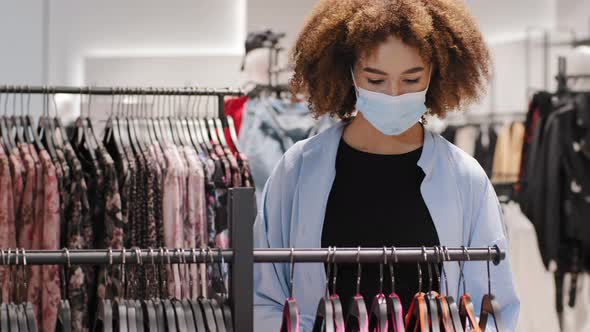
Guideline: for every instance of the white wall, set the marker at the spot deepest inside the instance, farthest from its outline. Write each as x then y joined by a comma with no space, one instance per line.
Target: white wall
140,28
21,54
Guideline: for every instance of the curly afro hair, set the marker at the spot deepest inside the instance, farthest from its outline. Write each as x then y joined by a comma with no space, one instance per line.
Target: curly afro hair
336,31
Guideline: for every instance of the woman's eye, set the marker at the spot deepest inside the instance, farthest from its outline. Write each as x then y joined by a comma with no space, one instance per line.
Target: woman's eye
412,81
375,81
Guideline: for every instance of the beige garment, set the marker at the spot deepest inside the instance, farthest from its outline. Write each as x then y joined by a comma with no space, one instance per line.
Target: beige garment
506,166
533,283
465,139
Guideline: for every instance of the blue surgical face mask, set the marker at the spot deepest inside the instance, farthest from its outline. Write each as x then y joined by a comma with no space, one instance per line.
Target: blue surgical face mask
391,115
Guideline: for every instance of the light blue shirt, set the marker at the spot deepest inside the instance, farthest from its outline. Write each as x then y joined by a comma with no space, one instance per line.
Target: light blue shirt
456,190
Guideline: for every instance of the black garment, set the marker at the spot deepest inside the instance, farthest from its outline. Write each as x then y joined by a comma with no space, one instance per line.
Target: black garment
375,201
561,199
484,153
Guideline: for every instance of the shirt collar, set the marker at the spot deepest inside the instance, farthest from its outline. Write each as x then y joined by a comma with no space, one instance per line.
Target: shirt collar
334,134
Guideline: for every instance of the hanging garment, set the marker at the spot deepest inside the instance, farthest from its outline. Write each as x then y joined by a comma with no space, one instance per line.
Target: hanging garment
50,240
25,232
7,218
485,146
539,109
465,139
507,154
270,126
292,215
563,189
172,210
35,276
194,202
533,283
234,107
79,235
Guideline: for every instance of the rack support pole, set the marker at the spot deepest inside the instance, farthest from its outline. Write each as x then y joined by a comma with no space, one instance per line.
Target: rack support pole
242,212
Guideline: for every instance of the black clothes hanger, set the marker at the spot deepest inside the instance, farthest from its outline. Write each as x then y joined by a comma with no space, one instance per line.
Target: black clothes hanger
27,307
3,306
131,315
195,306
395,314
206,305
120,320
177,305
19,308
489,305
104,316
5,126
111,137
227,313
188,124
150,322
82,143
138,303
64,313
156,303
430,298
378,320
29,131
196,128
215,305
169,313
357,318
17,120
290,321
453,307
466,308
324,317
339,322
12,313
417,316
446,324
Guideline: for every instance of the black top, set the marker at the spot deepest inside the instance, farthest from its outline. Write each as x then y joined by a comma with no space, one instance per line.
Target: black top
375,201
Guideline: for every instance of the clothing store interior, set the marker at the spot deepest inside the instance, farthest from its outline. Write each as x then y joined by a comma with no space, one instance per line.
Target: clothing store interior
171,166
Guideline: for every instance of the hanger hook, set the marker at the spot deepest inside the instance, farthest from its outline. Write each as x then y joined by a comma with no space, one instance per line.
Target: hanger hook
124,271
292,273
181,271
436,264
335,269
25,277
358,270
328,272
391,269
444,250
428,268
420,275
489,274
461,266
381,270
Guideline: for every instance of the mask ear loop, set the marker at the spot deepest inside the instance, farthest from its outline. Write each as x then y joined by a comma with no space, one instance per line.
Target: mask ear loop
356,91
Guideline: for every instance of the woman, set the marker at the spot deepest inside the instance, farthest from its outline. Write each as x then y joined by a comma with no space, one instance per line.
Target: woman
379,178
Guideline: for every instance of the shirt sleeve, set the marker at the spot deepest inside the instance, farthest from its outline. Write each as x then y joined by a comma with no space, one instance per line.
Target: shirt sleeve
488,230
270,289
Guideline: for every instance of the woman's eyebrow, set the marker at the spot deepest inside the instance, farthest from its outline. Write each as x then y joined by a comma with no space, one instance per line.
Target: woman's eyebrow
414,70
374,71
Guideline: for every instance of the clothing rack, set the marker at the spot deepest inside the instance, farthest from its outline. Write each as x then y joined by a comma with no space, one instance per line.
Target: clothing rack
275,255
186,91
111,91
242,256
